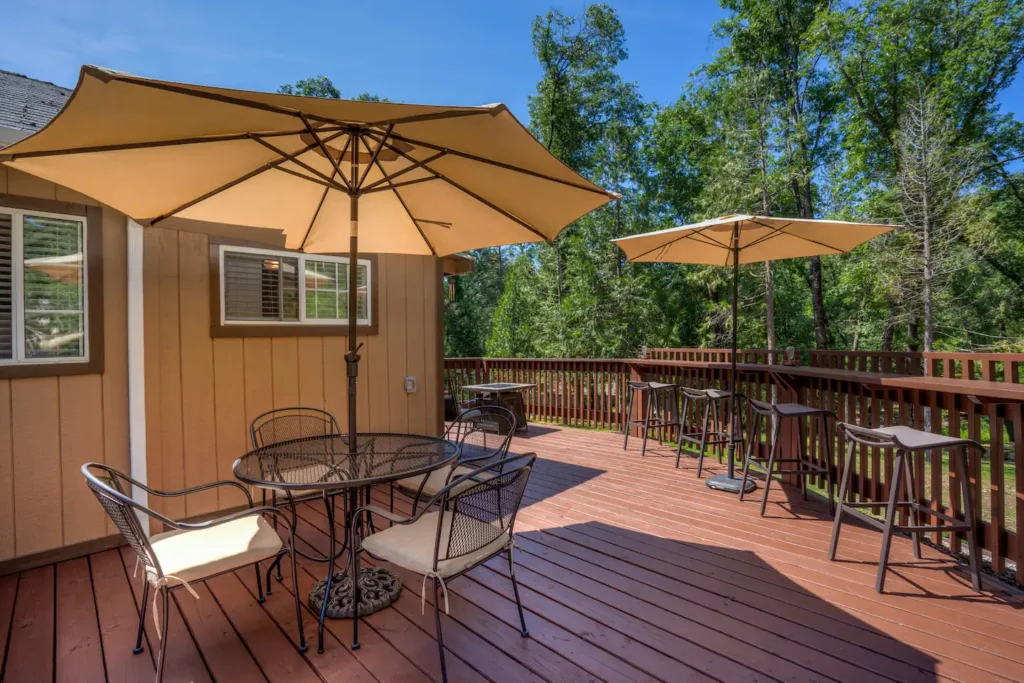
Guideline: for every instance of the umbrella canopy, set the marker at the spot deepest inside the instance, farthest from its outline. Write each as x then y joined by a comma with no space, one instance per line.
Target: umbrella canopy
738,239
427,179
760,238
408,179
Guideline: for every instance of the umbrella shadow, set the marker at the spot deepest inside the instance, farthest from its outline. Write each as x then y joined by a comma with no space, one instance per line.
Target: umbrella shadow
716,599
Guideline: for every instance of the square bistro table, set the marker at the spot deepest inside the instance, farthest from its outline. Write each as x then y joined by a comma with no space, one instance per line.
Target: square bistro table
505,394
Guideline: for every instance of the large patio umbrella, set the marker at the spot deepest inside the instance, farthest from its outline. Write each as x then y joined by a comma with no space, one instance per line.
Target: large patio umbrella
738,239
334,176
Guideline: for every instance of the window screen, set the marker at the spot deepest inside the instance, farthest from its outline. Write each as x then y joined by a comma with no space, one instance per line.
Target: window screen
6,287
54,287
327,290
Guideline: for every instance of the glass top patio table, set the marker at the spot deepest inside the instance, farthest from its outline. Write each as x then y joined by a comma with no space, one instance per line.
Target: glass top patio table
324,462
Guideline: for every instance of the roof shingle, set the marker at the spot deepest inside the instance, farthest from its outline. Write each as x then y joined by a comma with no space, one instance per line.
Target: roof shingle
27,104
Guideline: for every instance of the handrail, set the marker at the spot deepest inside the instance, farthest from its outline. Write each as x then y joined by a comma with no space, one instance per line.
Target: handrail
592,393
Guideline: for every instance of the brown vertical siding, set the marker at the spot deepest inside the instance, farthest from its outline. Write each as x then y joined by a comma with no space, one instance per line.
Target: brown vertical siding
49,426
208,390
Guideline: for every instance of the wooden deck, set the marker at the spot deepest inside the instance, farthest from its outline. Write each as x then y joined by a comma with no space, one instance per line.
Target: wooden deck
631,571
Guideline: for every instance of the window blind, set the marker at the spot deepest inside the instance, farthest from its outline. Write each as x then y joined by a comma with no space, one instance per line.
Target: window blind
260,287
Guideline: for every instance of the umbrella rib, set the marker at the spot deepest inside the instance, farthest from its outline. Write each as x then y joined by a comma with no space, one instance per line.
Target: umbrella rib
144,145
415,181
303,164
217,97
376,183
774,233
316,214
227,186
373,159
323,148
800,237
475,196
303,176
499,164
688,236
401,201
436,116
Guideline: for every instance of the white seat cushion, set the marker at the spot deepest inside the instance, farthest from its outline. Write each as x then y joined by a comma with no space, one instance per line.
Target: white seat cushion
411,546
438,479
194,554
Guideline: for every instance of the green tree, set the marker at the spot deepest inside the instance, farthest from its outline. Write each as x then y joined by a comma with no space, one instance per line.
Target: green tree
514,333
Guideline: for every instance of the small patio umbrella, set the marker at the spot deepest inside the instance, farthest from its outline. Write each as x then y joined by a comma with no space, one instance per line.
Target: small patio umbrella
737,239
403,178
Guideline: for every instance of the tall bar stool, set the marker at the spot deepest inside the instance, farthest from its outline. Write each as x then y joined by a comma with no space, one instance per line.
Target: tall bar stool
804,466
707,436
907,442
658,406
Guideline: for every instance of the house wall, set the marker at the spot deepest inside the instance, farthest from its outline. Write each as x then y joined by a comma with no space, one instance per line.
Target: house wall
50,426
202,392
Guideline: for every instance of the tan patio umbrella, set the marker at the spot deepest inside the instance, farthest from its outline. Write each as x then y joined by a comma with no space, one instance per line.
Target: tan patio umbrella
333,175
733,240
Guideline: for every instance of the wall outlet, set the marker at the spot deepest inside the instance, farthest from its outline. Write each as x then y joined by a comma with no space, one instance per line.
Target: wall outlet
410,385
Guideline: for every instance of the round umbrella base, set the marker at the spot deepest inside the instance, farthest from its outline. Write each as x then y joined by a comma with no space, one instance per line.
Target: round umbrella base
723,482
378,588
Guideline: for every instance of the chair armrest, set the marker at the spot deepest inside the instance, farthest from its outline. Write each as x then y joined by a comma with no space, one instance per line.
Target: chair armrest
390,516
201,487
262,510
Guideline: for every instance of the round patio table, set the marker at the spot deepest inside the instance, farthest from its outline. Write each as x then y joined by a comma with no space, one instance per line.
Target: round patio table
325,463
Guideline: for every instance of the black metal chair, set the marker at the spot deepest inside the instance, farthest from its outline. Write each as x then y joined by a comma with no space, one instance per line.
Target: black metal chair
803,466
708,435
190,552
484,434
906,441
285,424
474,521
659,410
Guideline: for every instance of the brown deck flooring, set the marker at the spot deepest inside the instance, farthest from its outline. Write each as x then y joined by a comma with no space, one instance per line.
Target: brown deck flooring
630,571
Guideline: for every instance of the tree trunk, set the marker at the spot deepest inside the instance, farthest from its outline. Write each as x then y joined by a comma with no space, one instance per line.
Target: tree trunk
890,326
818,304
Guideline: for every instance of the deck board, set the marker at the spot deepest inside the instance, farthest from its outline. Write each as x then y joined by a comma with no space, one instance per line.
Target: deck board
630,570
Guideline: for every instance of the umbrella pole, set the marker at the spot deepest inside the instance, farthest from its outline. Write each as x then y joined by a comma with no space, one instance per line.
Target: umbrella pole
352,357
729,482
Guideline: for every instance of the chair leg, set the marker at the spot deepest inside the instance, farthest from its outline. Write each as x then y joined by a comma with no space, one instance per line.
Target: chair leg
440,636
890,518
718,426
142,617
647,425
771,464
515,589
965,485
801,452
356,597
629,418
826,448
165,612
303,646
915,514
748,457
270,568
703,438
840,501
260,598
682,428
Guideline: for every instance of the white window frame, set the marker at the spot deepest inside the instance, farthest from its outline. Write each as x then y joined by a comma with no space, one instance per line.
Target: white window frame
18,288
302,258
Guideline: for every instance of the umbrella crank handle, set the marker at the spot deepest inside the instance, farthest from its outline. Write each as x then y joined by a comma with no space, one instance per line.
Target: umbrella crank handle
351,360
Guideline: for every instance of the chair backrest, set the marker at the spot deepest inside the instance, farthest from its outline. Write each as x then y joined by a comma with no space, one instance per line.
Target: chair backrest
285,424
483,433
111,489
453,384
483,512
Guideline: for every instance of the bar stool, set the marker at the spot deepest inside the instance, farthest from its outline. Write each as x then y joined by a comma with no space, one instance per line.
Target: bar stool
907,441
710,398
658,405
804,467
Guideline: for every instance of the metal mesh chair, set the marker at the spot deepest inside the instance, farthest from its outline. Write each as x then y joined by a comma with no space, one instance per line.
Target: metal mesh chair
286,424
473,522
484,434
189,552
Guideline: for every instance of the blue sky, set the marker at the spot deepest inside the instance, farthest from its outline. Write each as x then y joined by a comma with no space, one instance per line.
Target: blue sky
427,51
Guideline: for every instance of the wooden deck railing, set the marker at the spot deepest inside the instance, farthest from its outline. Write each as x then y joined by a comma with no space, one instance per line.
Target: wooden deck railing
592,393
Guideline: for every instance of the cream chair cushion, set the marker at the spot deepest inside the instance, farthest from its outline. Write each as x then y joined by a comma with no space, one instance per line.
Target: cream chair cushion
411,546
438,479
194,554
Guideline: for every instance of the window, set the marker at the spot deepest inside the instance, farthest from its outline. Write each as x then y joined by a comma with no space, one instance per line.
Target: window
43,288
262,287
